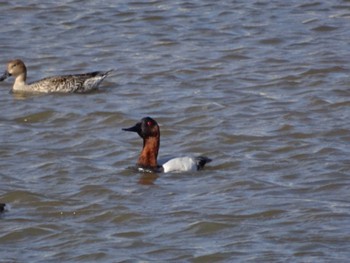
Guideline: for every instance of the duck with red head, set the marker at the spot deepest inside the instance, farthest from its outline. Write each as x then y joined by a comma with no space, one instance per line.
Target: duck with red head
148,129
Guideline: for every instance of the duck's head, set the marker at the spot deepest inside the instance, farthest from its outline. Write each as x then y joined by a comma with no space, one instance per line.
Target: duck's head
145,128
14,68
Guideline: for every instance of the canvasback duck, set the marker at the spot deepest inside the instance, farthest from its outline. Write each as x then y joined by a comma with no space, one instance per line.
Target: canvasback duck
78,83
148,130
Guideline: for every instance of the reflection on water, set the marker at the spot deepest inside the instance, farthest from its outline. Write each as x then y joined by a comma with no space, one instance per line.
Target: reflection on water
148,178
259,87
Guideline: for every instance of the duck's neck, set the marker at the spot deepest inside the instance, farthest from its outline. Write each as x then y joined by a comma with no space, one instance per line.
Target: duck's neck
20,82
149,153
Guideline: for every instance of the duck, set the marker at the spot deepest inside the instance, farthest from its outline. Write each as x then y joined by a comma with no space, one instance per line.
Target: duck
148,129
78,83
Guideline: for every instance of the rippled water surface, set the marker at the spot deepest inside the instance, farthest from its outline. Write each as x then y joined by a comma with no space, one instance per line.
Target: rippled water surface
261,87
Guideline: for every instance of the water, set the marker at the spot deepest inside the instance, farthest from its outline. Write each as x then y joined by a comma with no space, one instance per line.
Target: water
261,87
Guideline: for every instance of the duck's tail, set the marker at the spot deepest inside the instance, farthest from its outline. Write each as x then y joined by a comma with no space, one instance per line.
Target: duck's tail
106,73
201,161
98,74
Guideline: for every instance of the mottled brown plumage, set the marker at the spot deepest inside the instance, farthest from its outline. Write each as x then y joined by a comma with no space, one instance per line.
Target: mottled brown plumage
78,83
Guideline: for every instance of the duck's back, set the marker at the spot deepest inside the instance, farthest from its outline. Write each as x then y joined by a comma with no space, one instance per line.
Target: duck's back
184,164
69,83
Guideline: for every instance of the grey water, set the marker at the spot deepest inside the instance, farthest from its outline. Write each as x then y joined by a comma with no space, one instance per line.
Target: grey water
260,87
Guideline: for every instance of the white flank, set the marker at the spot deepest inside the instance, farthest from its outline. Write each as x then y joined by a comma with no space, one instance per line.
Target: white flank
180,164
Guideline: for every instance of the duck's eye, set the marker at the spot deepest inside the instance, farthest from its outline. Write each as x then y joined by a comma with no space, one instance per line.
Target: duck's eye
149,123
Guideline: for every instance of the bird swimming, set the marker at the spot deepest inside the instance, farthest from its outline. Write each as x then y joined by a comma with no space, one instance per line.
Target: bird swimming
77,83
148,129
